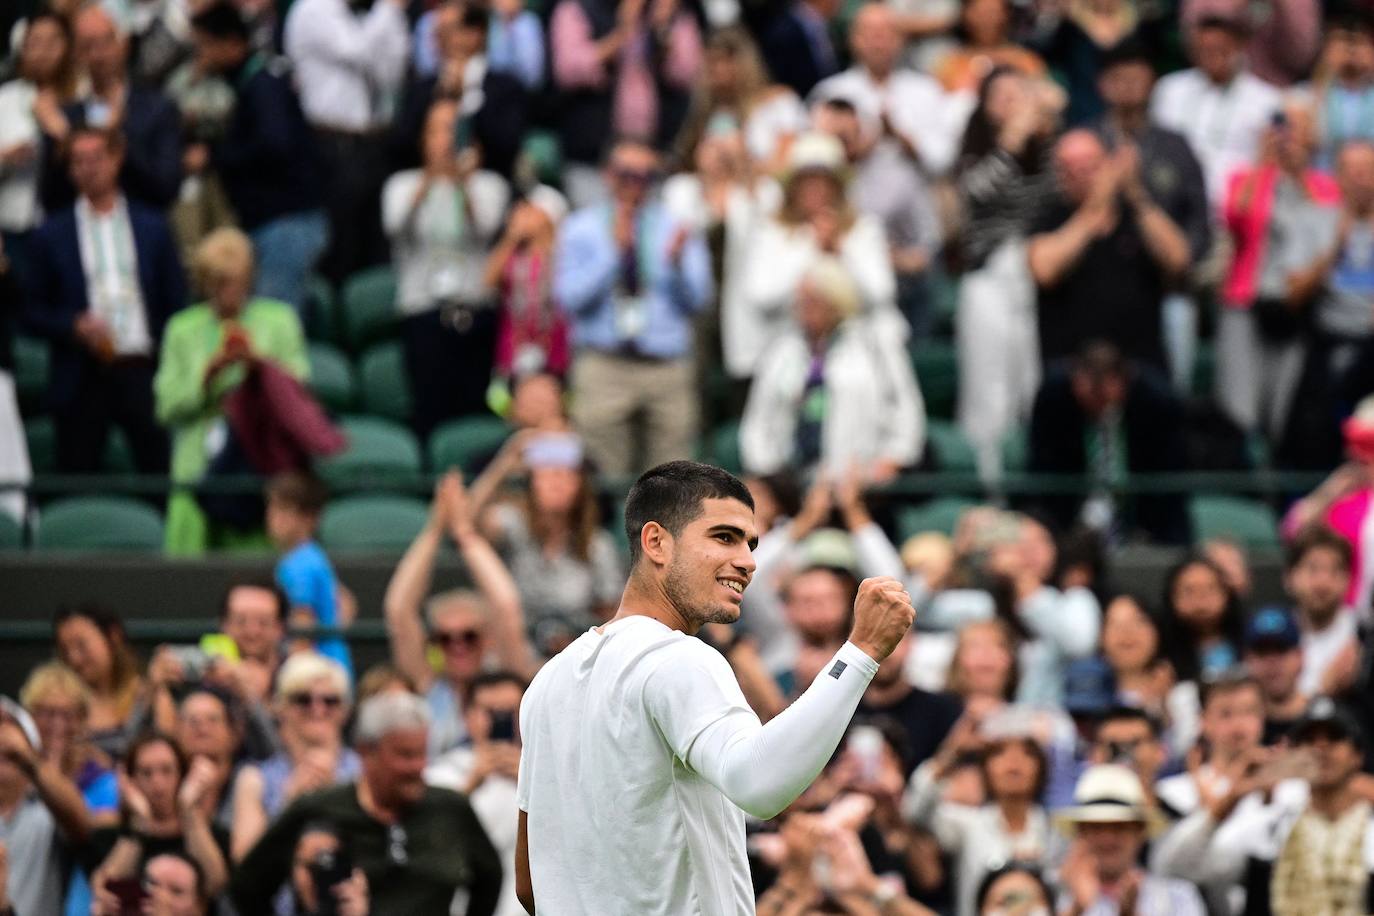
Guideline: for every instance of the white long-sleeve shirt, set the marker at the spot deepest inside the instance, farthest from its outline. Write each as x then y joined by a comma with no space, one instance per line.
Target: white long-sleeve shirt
349,68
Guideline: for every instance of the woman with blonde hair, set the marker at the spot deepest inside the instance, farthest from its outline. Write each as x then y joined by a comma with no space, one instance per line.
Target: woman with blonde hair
207,351
312,704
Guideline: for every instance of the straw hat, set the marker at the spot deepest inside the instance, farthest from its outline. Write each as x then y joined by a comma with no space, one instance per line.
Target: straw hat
1109,793
816,151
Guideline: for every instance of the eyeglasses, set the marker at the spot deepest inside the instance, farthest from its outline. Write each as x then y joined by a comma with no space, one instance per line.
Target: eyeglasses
447,638
306,700
396,845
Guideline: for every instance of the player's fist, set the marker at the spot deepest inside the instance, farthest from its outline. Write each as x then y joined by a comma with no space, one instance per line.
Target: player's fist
882,615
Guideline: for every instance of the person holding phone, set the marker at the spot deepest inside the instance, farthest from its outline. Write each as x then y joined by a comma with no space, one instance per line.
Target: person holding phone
486,770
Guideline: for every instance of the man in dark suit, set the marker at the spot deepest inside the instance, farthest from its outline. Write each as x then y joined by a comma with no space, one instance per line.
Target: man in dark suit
492,105
797,46
1104,418
103,279
146,119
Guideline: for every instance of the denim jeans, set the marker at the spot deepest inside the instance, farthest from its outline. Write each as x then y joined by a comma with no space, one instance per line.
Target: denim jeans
287,249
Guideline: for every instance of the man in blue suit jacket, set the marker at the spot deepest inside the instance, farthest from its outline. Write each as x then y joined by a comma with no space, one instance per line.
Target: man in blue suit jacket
797,46
103,279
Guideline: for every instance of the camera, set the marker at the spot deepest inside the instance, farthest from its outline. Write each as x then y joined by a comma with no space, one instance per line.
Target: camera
328,868
194,661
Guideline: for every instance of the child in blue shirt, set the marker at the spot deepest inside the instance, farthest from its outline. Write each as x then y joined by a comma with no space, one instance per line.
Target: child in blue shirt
294,503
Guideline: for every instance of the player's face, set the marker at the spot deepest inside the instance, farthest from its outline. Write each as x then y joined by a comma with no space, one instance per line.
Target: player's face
712,563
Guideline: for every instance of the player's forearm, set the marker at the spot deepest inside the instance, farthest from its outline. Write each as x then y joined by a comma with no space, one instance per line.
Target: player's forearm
763,768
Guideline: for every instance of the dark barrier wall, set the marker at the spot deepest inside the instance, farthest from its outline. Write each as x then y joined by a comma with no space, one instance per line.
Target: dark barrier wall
34,586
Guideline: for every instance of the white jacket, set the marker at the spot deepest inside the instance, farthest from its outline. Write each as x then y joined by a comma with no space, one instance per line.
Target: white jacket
874,410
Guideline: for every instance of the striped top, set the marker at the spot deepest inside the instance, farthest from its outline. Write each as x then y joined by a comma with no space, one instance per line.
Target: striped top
1000,201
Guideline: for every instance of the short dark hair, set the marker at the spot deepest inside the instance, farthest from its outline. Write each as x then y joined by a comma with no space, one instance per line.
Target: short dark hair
298,490
1130,50
113,139
496,679
200,886
221,20
1030,746
840,105
146,740
1225,683
1318,537
1099,359
1131,714
672,493
1030,869
263,583
1231,25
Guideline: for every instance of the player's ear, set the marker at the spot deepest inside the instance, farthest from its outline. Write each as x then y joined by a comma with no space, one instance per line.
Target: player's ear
656,542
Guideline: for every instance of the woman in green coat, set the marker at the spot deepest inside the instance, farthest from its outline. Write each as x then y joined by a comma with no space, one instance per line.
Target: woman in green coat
206,352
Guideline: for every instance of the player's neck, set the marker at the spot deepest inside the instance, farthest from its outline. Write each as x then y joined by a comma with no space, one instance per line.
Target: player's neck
646,598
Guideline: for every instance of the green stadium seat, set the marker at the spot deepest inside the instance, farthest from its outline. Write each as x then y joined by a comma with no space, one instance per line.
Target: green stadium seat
937,370
466,443
11,534
940,514
951,450
98,523
30,371
1016,449
372,522
383,384
369,306
725,447
376,447
41,436
322,310
331,377
1249,522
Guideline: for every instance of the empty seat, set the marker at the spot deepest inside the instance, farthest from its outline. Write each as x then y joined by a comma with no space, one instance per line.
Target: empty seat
99,523
331,377
377,449
369,306
1249,522
383,385
466,443
940,515
372,522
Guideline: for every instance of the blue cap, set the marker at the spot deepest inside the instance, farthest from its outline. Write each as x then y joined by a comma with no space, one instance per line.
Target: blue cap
1272,627
1089,687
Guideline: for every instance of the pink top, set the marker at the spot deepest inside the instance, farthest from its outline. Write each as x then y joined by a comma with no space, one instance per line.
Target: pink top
575,66
1347,517
529,319
1249,227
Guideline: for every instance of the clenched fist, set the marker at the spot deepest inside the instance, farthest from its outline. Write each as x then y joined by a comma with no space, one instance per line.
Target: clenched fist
882,615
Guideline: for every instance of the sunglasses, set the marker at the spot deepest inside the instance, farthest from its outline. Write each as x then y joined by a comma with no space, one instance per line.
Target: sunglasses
447,638
634,176
306,700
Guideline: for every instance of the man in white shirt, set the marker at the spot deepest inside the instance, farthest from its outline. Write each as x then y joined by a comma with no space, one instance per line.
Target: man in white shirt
895,103
349,71
1317,579
639,748
1221,107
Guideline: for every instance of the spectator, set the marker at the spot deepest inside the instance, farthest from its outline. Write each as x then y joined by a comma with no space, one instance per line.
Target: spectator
1103,235
441,220
164,796
1109,823
320,850
174,886
1269,849
92,642
103,281
550,536
1003,179
817,218
1343,84
734,90
491,103
887,184
925,717
532,333
294,503
1009,826
983,672
1222,108
14,455
145,120
349,68
414,843
515,44
159,36
464,626
1317,579
1143,678
209,730
486,771
893,102
1171,177
619,71
1107,417
312,703
836,394
1017,884
253,613
630,280
60,705
266,156
43,816
1080,39
1269,210
1273,657
208,350
984,30
1134,739
1280,42
797,46
44,69
1203,618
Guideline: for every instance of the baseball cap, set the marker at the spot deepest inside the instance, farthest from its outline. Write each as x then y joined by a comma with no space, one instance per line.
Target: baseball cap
1325,715
1272,627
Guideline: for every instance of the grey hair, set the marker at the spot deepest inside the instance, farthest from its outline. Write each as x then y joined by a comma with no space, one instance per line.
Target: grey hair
455,599
385,713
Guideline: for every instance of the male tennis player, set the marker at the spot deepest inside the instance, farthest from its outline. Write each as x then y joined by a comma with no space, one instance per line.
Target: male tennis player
639,748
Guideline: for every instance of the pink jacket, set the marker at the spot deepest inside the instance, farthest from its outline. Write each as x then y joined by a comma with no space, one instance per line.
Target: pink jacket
1249,226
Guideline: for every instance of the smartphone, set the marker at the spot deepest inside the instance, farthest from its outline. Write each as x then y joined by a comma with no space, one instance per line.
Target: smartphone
130,894
502,726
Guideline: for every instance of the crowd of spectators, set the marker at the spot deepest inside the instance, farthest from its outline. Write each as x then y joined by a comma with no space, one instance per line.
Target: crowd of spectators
626,228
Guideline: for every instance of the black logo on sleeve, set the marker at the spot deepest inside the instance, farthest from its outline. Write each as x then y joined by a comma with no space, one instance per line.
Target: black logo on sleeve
838,669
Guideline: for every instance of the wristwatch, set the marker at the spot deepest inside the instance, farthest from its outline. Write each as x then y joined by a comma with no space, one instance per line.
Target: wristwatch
883,895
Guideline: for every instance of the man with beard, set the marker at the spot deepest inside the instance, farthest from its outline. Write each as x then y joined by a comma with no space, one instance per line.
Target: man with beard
639,748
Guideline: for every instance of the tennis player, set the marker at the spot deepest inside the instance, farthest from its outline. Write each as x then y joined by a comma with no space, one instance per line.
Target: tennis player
641,756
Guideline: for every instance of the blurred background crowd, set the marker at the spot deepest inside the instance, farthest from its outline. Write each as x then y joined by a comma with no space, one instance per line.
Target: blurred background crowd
982,294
